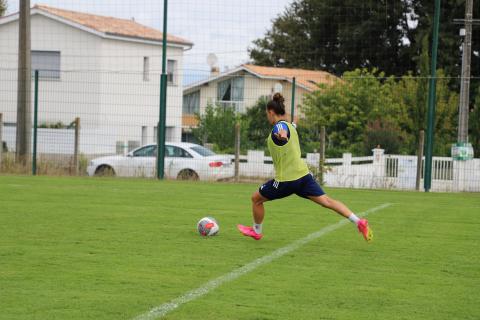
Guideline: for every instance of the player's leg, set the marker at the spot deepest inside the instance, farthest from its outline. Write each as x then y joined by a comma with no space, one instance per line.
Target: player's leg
337,206
258,210
332,204
271,190
310,189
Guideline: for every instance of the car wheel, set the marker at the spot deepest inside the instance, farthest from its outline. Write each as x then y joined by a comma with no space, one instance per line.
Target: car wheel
187,174
105,171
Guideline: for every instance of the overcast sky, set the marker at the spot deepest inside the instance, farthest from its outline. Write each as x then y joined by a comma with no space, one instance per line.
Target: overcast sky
223,27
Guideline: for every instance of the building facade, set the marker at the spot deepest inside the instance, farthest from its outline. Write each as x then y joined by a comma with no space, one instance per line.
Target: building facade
104,70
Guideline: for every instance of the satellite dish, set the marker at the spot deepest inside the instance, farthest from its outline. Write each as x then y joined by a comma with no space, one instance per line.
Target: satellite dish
212,60
278,87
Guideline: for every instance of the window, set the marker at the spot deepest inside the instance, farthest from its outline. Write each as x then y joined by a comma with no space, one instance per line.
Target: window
172,151
171,68
230,89
144,135
191,103
203,151
148,151
230,93
179,152
146,69
47,63
170,134
188,137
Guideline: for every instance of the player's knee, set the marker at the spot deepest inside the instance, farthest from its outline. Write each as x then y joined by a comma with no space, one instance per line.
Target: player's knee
256,198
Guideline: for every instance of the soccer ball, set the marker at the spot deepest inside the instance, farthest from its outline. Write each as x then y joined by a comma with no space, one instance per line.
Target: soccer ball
207,227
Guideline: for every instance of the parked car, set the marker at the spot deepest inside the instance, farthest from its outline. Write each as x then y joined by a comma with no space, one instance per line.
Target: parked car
185,161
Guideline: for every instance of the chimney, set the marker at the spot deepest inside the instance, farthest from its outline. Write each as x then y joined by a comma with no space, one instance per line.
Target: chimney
214,71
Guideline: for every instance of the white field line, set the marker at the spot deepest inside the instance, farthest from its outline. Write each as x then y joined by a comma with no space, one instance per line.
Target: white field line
165,308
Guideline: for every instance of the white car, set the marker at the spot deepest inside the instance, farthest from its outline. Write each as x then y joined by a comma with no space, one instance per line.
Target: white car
185,161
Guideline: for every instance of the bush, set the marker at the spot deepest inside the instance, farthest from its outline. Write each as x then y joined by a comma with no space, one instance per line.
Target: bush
384,134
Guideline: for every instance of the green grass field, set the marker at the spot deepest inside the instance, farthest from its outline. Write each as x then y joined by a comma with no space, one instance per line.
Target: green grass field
78,248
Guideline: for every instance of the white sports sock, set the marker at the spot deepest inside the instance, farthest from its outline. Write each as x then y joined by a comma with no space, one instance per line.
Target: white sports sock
354,218
257,227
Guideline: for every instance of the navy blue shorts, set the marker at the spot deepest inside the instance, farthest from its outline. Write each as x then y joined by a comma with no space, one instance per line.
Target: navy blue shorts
304,187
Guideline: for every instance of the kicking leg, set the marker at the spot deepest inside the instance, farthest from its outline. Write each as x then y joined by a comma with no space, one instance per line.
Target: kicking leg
337,206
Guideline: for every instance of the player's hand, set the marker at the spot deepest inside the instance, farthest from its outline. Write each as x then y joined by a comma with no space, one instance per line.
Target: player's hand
282,135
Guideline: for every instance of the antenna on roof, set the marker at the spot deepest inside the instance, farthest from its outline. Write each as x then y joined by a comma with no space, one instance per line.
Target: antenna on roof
212,61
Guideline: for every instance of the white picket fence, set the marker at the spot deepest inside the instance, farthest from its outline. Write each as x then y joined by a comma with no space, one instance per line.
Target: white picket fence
379,171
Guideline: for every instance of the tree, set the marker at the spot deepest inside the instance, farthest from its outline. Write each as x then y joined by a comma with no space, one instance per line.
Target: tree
386,134
365,102
449,45
411,92
217,126
255,126
338,36
344,35
346,108
3,7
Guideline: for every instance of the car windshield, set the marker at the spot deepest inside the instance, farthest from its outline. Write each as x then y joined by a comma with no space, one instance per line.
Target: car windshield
204,152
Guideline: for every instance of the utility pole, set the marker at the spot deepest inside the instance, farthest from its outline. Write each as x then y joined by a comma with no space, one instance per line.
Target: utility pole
463,108
465,80
24,105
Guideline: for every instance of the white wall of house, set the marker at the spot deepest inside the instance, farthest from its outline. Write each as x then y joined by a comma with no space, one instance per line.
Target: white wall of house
102,82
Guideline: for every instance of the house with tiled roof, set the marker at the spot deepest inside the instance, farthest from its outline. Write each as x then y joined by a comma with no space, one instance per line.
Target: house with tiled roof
105,70
240,88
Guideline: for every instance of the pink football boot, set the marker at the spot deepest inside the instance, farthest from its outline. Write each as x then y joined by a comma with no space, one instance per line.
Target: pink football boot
249,232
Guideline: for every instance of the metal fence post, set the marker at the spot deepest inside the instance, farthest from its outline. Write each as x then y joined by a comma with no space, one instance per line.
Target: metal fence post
427,181
77,144
163,99
237,152
294,85
421,142
35,126
322,153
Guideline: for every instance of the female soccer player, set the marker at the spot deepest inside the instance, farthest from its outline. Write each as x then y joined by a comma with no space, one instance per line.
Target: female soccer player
291,175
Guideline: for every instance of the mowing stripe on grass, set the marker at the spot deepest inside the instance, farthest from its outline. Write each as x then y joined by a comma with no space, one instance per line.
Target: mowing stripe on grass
165,308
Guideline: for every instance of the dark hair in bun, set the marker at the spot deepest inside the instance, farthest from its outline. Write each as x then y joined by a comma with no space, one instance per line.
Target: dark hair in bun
276,104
